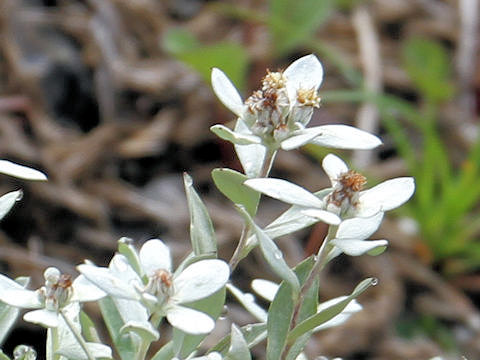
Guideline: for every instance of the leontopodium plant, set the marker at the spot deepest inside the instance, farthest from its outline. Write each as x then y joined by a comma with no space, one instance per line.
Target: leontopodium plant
140,294
161,292
276,115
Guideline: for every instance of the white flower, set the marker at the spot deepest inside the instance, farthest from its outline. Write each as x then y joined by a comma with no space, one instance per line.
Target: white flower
348,199
276,114
57,293
160,291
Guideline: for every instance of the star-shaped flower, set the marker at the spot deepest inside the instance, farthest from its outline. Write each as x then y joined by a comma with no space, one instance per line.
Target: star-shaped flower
277,113
159,290
58,292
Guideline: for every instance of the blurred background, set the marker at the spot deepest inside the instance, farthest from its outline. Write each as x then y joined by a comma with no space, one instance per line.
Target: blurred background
111,99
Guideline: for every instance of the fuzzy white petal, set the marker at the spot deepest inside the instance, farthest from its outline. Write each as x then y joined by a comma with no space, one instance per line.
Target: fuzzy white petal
251,156
84,290
22,298
189,320
358,247
155,255
389,194
346,137
265,288
43,317
226,92
326,216
300,138
105,280
285,191
8,200
8,284
304,73
20,171
334,167
200,280
359,228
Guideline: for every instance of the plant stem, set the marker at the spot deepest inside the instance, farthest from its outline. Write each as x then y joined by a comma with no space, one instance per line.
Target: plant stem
242,242
77,336
237,255
320,262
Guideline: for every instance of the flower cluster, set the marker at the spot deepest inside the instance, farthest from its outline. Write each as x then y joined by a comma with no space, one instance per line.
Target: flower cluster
155,292
140,289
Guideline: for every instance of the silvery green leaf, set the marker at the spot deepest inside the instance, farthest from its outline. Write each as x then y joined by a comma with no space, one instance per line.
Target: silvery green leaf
230,183
272,253
8,200
143,329
285,191
354,247
252,333
251,157
225,133
300,138
165,353
202,234
238,349
125,345
329,312
8,316
345,137
126,248
3,356
265,288
213,306
248,302
280,315
20,171
352,308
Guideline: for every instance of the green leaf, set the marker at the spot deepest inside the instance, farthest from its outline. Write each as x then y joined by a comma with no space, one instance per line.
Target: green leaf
292,22
272,253
428,65
3,356
125,345
279,318
252,333
126,248
238,349
202,234
88,328
165,353
232,58
230,183
329,312
213,306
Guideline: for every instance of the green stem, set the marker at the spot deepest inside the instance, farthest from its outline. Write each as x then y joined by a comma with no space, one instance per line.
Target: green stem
77,336
320,262
268,162
237,255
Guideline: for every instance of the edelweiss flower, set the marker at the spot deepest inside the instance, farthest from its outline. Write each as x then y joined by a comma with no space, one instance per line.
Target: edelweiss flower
157,289
58,292
276,115
347,198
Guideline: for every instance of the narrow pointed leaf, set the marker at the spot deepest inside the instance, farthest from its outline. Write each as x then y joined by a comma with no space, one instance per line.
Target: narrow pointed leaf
329,312
202,234
238,346
272,253
225,133
252,333
230,183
